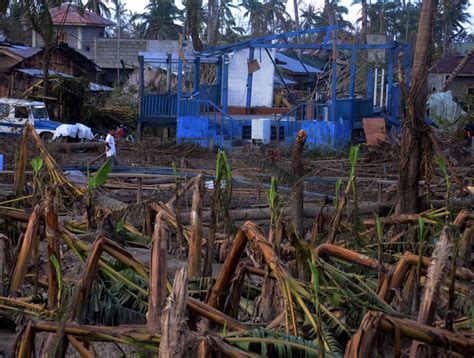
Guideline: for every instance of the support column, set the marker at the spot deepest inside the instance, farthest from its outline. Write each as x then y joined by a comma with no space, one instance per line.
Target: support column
219,81
390,81
352,82
370,83
169,70
197,74
353,72
141,92
180,87
249,81
333,90
225,83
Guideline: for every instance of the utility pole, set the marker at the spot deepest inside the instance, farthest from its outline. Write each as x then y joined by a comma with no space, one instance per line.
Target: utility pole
118,40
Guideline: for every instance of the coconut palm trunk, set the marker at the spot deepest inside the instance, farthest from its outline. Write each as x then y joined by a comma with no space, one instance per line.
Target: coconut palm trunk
297,18
364,14
213,22
415,142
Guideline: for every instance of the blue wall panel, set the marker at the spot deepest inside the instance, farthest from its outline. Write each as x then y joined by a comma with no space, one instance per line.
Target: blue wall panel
192,128
322,134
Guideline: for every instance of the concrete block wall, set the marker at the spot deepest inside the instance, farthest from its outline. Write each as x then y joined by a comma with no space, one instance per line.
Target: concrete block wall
107,55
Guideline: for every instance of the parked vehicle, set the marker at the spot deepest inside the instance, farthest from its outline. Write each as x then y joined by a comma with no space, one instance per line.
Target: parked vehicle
15,113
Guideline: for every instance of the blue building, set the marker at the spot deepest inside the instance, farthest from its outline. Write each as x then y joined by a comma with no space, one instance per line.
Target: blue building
221,113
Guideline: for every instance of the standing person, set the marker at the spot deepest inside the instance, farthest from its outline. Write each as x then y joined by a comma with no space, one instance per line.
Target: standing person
110,151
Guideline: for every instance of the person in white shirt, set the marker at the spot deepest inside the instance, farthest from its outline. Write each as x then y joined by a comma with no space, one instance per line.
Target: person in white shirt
110,151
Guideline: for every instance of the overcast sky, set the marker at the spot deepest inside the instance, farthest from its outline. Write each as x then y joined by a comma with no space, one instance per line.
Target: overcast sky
139,6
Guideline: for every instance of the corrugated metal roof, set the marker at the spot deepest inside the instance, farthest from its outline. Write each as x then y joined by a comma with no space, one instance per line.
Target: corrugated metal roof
22,51
95,87
448,64
294,65
34,72
69,14
278,82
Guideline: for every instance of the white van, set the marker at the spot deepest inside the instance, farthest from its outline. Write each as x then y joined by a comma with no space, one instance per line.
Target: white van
15,113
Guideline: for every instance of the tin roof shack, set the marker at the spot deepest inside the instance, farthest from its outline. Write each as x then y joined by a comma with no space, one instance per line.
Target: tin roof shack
462,85
75,26
20,67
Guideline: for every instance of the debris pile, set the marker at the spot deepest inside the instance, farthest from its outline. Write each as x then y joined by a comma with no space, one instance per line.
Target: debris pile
235,262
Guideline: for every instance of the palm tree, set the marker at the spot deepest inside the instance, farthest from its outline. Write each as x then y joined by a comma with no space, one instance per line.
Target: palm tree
265,17
212,21
136,27
195,18
453,16
99,7
415,142
310,17
363,18
382,15
227,24
252,11
13,24
297,18
120,16
319,17
275,15
160,20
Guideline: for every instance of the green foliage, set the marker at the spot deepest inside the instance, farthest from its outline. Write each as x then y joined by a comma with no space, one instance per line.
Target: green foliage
353,156
100,177
338,192
272,198
268,343
223,189
57,269
112,302
280,174
37,164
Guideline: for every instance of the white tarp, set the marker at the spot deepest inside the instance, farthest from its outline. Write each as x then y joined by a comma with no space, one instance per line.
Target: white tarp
77,130
443,109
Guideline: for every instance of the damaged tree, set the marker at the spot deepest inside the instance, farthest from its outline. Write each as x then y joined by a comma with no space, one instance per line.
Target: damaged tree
415,153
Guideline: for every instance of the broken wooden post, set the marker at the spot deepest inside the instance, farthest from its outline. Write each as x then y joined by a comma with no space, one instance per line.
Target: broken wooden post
174,328
52,233
157,289
195,240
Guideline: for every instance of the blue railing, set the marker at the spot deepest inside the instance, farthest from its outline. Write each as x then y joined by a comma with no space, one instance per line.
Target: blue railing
154,106
303,112
207,109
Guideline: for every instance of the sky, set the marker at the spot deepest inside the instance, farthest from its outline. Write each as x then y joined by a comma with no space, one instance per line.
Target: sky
139,7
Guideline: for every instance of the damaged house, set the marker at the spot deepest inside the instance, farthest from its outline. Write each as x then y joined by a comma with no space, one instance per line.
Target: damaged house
21,67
